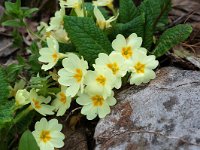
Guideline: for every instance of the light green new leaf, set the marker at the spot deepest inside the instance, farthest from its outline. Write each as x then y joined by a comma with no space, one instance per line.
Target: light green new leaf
29,12
127,11
13,9
87,37
13,23
27,142
172,37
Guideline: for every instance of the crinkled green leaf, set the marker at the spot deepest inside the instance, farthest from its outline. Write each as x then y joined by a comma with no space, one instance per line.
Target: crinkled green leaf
12,71
28,142
172,37
87,37
134,26
4,90
153,10
127,11
6,113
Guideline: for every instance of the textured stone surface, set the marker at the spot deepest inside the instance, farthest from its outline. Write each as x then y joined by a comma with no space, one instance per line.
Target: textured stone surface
163,115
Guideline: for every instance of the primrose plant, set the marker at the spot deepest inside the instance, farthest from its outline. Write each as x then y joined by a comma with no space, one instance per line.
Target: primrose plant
88,54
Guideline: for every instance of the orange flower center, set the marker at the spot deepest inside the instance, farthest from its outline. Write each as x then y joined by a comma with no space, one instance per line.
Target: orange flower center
127,52
139,67
45,136
97,100
63,97
55,56
37,104
78,75
114,67
101,80
48,34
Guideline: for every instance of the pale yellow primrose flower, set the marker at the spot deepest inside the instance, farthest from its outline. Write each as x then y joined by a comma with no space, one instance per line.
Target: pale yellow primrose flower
115,63
62,102
108,3
73,74
57,22
22,97
60,35
101,80
39,103
71,3
101,21
50,54
18,86
42,28
95,104
48,134
128,47
142,67
76,4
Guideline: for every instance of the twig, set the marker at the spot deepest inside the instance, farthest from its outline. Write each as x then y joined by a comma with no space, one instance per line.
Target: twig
8,45
72,113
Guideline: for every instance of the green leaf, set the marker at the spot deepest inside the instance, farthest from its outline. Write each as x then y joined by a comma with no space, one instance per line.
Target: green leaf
4,90
172,37
127,11
13,71
13,23
134,26
87,37
28,142
28,12
63,48
153,11
6,114
13,9
33,59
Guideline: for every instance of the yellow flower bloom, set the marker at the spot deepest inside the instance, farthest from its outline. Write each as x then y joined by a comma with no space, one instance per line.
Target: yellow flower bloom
95,104
142,67
39,103
115,63
48,134
101,80
128,47
22,97
108,3
76,4
101,21
50,54
71,3
57,22
60,35
73,73
62,102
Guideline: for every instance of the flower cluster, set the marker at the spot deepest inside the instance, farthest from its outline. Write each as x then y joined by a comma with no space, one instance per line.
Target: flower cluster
90,85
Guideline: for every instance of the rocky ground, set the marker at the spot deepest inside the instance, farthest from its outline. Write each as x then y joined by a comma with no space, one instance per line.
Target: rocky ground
163,115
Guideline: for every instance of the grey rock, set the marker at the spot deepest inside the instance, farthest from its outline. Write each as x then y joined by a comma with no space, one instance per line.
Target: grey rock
163,115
